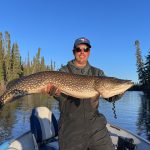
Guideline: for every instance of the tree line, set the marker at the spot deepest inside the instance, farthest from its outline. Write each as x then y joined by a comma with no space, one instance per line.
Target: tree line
143,69
11,64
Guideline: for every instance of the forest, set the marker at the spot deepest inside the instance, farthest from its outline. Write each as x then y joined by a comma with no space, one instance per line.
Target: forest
12,66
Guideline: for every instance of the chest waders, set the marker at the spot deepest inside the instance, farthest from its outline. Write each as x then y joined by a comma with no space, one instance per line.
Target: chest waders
81,126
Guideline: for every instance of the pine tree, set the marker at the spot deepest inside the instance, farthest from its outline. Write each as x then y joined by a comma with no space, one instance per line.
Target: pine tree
28,66
52,66
140,64
36,62
7,57
1,60
43,67
15,62
147,72
22,69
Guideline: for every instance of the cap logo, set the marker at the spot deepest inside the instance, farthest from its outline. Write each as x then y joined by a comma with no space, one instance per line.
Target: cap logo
83,40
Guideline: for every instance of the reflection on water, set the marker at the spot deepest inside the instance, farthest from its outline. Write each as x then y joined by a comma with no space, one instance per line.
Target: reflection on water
133,113
14,118
143,123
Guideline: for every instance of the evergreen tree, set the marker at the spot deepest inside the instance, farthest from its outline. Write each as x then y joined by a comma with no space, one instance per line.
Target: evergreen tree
43,67
1,60
147,72
22,69
15,62
140,64
36,62
28,66
52,65
33,67
7,57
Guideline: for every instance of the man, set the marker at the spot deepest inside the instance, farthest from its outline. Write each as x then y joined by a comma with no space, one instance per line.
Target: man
81,126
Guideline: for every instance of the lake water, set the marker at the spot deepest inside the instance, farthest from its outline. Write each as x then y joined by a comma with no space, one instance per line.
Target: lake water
133,114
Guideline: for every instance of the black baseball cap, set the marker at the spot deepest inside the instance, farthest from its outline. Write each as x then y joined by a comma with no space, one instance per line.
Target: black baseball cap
82,40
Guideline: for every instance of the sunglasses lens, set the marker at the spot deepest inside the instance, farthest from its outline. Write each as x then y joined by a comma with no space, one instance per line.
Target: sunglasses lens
84,49
78,49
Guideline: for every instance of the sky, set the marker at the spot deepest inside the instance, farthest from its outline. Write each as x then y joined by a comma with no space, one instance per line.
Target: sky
112,26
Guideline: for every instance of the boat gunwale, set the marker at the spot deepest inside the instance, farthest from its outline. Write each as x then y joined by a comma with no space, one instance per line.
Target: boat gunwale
130,132
108,125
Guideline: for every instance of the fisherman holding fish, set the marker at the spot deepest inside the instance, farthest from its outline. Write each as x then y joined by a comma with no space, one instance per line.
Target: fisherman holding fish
81,126
77,87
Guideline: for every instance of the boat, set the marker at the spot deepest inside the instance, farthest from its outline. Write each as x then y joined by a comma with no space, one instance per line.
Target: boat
121,138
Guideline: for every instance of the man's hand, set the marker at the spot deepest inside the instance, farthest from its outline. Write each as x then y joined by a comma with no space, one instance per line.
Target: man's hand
51,90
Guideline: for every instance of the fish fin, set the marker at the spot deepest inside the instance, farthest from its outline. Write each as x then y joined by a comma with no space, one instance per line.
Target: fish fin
96,96
95,101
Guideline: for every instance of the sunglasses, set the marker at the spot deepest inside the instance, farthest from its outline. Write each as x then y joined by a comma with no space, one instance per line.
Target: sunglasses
84,49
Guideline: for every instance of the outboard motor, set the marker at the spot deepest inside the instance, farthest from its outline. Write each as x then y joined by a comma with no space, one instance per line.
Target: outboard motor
44,127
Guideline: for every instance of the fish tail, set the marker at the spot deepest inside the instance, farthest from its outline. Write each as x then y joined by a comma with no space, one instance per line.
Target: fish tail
5,97
9,95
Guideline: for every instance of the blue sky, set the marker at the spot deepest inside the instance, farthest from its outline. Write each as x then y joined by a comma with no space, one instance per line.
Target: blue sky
112,26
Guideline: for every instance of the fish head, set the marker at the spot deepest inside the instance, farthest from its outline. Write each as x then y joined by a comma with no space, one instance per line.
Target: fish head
110,86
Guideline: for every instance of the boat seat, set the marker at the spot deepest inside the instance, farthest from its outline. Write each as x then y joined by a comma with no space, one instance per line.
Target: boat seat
44,128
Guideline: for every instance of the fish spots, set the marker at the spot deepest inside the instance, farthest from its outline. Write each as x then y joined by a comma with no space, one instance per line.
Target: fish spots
79,86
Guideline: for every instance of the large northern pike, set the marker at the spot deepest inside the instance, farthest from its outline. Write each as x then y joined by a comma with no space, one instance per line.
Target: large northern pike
78,86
